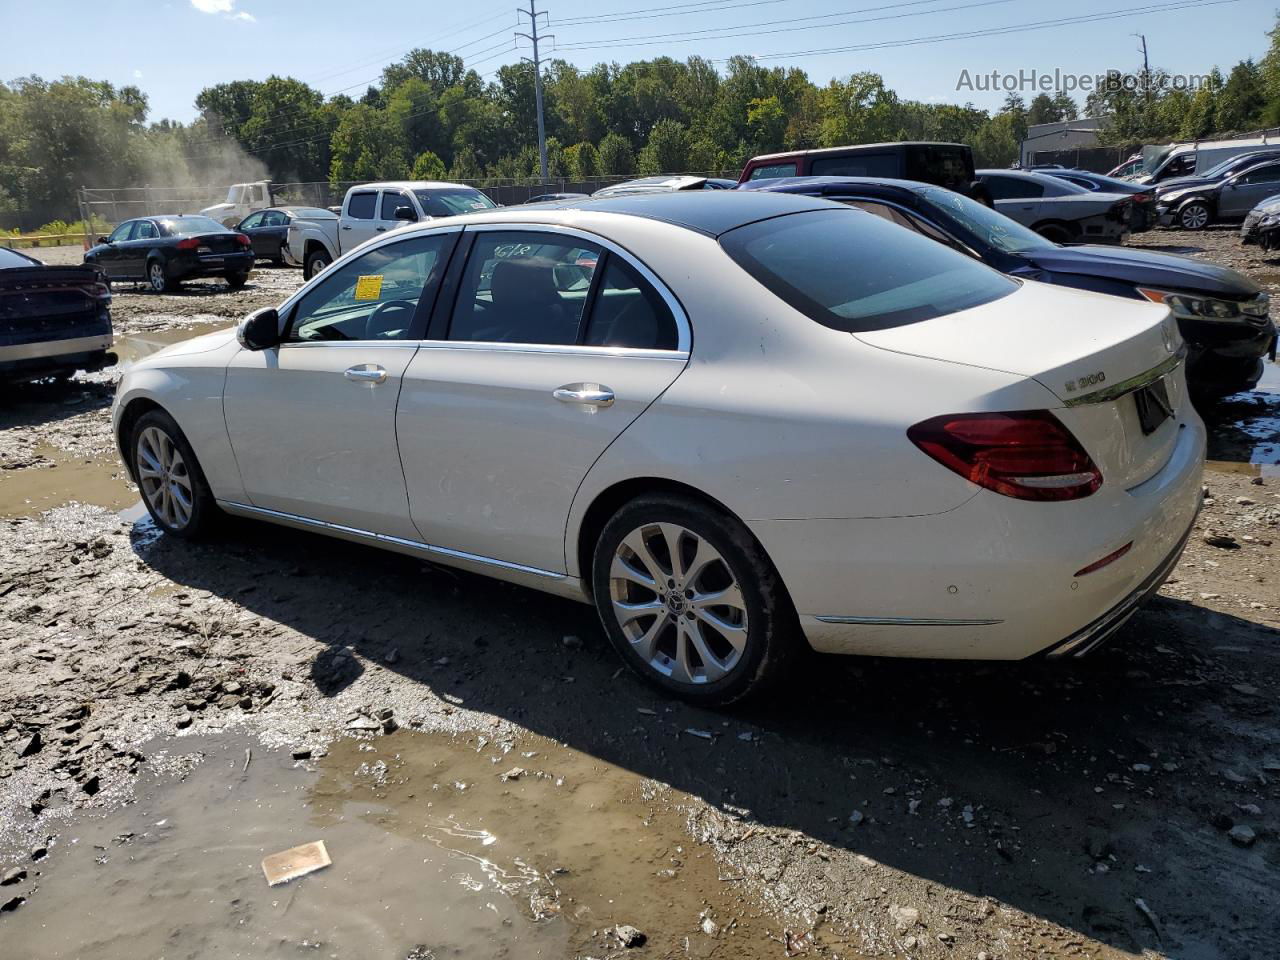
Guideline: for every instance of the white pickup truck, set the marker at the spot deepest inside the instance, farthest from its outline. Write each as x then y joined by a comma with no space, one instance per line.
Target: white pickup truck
371,209
242,200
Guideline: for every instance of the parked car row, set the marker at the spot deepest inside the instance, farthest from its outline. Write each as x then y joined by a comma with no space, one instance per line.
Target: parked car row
739,422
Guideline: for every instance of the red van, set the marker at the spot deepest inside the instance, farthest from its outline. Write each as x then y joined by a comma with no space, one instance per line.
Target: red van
947,165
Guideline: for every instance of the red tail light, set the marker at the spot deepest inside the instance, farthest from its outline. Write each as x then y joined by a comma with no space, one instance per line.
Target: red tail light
1144,197
243,240
1028,455
188,243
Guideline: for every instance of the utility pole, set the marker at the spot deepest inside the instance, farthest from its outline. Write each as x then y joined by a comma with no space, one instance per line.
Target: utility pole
1146,70
533,37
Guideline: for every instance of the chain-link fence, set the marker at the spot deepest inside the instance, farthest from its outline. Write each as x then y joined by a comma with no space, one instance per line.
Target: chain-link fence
115,204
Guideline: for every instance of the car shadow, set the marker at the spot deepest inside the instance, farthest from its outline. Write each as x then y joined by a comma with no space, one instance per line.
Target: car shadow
1067,790
50,401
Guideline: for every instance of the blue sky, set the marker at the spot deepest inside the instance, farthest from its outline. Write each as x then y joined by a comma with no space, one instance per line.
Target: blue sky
172,49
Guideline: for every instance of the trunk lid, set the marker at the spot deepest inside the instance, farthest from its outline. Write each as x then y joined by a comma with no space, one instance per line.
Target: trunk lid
1094,353
42,303
216,243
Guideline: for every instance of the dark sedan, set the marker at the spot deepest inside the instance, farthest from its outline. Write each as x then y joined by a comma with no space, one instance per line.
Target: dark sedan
53,320
1144,197
268,230
1223,315
1198,203
165,250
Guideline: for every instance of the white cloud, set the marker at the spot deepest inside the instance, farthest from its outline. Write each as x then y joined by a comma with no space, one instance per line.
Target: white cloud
137,74
227,8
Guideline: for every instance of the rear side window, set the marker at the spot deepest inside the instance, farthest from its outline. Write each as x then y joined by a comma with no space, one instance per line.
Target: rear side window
858,165
146,231
627,312
361,206
773,171
1011,188
855,272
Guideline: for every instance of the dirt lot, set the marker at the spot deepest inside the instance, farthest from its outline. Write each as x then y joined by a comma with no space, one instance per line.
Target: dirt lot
169,714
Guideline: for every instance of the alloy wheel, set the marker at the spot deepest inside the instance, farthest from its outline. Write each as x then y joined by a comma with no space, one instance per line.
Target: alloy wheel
678,603
1195,217
156,274
164,478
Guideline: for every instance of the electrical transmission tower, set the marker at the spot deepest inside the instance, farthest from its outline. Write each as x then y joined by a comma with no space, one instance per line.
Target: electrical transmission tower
533,37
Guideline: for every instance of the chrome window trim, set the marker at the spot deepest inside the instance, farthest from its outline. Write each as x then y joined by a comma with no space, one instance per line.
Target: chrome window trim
684,332
907,622
562,349
376,538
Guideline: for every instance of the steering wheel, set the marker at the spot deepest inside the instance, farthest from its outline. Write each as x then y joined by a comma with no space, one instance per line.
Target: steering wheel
371,324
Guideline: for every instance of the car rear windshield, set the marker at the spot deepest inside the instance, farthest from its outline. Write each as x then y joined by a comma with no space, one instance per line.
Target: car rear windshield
449,203
186,226
852,271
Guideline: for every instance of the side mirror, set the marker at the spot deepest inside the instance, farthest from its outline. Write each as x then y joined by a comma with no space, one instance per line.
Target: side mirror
102,240
260,330
406,214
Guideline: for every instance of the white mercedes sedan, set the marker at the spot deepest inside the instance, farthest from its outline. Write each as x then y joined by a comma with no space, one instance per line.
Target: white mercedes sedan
736,423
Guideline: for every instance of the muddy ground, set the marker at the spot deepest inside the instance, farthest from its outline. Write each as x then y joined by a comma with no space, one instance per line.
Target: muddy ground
490,783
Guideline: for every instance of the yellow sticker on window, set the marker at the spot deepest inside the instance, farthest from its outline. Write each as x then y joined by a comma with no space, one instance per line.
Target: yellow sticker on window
369,288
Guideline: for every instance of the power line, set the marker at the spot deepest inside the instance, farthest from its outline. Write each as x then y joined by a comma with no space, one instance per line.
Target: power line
989,32
675,10
720,34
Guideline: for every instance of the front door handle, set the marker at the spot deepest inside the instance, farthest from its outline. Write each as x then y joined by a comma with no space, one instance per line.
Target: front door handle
366,373
592,394
380,229
346,227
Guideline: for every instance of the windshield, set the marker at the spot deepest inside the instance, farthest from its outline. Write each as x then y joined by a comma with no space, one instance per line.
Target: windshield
449,203
984,223
186,226
1152,157
853,271
11,258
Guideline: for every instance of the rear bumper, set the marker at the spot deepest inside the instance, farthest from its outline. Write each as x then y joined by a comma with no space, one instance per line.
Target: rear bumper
182,268
993,579
288,256
30,361
51,349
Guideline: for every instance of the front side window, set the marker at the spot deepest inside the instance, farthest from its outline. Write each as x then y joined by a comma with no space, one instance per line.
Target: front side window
1262,175
376,295
773,171
251,221
391,202
361,206
524,288
121,233
854,272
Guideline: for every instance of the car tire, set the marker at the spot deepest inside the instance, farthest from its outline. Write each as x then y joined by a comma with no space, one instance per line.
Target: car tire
1054,232
1195,215
157,279
317,260
710,654
174,489
237,280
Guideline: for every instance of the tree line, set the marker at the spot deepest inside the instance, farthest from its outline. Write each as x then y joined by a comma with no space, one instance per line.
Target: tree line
430,117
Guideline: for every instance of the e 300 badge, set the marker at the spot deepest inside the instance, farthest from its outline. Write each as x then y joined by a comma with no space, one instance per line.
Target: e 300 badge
1084,383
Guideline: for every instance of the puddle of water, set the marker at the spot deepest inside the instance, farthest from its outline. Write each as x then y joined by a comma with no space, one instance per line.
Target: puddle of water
431,845
132,347
1246,437
178,873
64,478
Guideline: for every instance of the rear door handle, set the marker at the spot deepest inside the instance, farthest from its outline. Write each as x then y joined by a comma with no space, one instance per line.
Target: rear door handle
366,373
592,394
380,229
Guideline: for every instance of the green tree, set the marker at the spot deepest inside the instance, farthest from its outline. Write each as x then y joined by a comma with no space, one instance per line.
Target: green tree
616,156
582,160
428,166
667,150
368,145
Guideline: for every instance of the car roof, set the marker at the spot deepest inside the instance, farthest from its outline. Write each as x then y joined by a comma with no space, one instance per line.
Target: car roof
710,212
817,186
858,147
411,185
